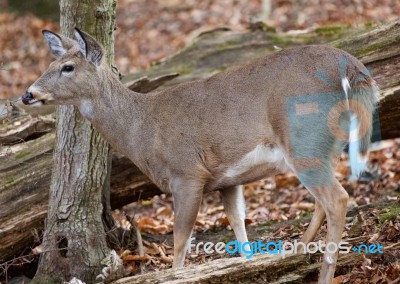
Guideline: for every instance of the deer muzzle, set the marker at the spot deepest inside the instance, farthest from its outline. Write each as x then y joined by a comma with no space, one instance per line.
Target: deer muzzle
27,98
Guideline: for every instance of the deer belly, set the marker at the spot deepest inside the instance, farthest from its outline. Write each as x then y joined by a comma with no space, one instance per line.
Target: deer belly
263,161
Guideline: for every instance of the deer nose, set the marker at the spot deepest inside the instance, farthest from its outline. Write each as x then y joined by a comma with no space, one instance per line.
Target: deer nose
27,97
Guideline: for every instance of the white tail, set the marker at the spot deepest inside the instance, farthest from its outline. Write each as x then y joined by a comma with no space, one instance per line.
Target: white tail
284,111
358,145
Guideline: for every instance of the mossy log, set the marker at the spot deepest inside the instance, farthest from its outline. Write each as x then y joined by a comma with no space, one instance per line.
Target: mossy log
25,168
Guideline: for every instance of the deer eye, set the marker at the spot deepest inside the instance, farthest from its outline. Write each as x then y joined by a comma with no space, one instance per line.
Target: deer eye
67,68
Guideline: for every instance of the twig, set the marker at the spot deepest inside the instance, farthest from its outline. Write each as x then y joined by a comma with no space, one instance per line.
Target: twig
140,247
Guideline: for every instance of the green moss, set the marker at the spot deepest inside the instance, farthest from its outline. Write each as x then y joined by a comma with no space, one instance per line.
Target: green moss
216,229
227,44
367,49
222,68
231,42
306,215
9,180
369,26
184,70
296,223
340,45
391,213
282,41
269,29
190,47
22,154
292,40
270,223
331,31
225,239
266,227
262,26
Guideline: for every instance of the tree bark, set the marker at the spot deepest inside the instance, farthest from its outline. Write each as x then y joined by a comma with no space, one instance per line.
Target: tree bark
74,242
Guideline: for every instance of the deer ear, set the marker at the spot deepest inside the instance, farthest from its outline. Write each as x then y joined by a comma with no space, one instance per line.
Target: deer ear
55,43
89,47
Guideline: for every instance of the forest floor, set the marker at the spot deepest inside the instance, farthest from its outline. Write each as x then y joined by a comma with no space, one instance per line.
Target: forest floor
152,30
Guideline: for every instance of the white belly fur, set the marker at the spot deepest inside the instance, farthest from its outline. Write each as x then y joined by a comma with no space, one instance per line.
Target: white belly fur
261,155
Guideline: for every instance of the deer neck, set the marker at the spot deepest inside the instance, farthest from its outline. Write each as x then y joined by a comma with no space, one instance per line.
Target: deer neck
117,113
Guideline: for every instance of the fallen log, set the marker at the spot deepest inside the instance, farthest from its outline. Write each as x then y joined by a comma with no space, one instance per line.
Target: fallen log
264,268
22,127
25,168
299,268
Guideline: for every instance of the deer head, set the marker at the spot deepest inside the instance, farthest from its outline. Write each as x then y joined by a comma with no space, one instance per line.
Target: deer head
75,75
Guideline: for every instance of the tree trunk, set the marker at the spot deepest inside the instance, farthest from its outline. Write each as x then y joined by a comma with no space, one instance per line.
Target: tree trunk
266,7
74,241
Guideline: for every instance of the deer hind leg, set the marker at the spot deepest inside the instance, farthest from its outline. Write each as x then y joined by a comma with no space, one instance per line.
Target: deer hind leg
235,209
316,223
332,198
187,198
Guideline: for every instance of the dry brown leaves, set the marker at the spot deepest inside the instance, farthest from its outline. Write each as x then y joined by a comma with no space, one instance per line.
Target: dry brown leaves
156,257
23,53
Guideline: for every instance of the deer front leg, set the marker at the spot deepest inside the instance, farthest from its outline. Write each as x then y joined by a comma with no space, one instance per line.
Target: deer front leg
187,198
316,223
235,210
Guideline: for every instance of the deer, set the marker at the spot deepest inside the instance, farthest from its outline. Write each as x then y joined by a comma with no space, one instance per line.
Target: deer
295,109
